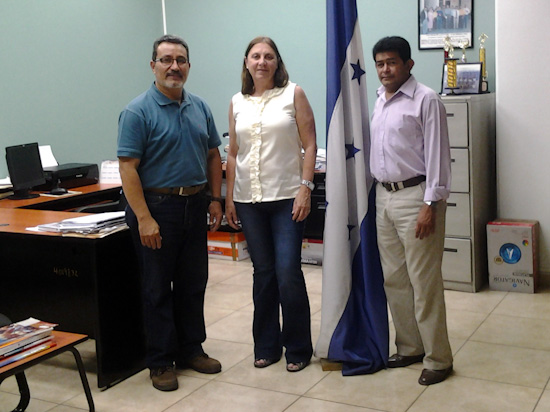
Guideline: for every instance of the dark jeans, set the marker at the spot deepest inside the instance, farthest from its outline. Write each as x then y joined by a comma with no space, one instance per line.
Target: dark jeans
174,278
275,244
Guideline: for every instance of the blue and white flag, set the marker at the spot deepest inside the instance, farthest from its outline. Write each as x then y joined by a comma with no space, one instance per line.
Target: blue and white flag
354,324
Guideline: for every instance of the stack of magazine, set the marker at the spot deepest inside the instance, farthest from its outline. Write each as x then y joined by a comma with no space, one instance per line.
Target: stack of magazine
91,224
22,339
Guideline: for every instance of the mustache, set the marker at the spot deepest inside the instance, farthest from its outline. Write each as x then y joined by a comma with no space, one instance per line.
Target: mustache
175,74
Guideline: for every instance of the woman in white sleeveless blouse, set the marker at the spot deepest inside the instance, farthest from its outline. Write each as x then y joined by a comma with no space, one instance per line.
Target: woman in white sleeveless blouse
269,183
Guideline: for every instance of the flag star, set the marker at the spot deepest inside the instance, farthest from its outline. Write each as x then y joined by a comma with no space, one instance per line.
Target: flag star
350,151
357,71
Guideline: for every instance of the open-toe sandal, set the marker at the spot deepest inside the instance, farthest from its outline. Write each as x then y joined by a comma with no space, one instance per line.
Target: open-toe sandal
296,366
264,363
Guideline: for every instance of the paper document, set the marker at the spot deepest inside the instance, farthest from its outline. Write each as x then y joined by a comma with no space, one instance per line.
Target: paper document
97,218
5,183
46,156
109,172
95,223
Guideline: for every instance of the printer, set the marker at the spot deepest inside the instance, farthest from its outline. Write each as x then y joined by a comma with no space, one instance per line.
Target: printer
69,175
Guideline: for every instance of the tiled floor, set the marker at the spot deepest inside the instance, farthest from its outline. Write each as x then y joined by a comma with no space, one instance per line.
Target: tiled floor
501,343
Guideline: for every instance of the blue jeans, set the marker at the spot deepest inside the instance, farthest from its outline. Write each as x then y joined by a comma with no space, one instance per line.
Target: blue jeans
275,244
174,278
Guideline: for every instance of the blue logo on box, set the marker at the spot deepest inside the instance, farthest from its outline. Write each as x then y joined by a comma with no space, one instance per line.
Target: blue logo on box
510,253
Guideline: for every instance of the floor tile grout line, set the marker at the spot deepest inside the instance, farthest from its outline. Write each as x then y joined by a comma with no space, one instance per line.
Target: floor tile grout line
508,345
417,398
337,403
207,381
495,381
541,395
485,318
218,379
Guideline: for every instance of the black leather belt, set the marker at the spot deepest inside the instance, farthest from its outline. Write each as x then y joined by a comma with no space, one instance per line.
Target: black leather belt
395,186
177,191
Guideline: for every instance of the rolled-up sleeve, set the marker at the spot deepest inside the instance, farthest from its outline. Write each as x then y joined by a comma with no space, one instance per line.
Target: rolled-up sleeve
437,153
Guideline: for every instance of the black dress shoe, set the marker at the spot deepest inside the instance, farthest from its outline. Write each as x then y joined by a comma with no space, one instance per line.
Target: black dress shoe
400,361
431,376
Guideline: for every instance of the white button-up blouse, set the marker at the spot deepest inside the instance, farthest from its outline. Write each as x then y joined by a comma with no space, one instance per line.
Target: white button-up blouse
269,159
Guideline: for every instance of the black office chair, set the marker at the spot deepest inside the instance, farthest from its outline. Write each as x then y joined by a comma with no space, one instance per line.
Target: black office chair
115,206
20,377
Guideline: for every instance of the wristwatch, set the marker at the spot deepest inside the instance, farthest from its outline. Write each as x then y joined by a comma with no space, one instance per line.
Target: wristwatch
309,184
431,203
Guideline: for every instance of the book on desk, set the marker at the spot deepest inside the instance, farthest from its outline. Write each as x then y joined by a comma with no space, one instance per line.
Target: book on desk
22,339
92,224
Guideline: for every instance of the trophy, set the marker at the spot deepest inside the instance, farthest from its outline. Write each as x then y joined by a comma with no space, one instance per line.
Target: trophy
464,44
451,74
482,59
448,49
451,65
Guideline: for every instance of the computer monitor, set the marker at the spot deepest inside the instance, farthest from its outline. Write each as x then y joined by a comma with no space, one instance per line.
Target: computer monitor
25,169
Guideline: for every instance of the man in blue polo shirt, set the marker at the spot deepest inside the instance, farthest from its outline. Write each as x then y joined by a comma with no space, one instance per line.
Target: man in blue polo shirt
168,152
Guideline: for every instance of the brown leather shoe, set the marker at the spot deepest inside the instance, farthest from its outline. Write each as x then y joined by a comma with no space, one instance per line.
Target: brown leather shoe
164,379
400,361
432,376
204,364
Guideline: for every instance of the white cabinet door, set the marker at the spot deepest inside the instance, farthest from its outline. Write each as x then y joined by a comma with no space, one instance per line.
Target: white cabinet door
457,260
457,219
457,122
460,171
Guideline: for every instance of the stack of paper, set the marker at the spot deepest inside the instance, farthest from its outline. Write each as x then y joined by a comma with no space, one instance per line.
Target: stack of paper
96,223
321,160
22,339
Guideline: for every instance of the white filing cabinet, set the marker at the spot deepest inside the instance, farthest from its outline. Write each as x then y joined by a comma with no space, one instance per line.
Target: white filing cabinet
472,203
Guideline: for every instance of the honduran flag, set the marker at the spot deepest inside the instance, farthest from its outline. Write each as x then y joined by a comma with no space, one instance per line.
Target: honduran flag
354,321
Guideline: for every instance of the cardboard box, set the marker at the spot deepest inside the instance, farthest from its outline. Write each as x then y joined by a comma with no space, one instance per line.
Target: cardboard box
312,251
227,245
512,250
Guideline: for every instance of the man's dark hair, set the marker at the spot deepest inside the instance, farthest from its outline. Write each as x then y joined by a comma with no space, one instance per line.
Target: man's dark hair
393,44
169,38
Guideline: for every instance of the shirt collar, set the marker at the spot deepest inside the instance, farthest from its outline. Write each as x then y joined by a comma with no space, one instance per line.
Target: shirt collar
408,88
162,99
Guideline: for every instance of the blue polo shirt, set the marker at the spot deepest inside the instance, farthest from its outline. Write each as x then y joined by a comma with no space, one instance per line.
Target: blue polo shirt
171,140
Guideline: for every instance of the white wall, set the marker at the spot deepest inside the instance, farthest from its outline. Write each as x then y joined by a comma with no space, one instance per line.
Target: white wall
523,114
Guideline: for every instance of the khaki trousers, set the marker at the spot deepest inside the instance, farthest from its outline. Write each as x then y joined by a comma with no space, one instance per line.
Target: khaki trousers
412,275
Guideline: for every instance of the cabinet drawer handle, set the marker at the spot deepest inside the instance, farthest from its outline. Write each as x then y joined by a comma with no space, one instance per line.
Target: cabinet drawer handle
453,160
450,115
447,249
451,204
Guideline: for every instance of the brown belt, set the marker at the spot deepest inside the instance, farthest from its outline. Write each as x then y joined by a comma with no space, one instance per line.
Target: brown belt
395,186
177,191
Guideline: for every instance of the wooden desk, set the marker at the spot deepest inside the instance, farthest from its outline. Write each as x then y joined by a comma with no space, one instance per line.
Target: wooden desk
18,220
65,342
88,286
88,195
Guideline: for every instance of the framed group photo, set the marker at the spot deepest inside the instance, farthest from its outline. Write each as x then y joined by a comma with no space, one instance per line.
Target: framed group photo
468,79
438,19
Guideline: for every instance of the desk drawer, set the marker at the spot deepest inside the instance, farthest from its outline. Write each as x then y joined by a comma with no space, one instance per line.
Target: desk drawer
460,171
457,220
319,180
457,122
457,260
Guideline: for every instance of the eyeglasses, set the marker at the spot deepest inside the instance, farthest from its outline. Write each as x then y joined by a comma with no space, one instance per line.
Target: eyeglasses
168,61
